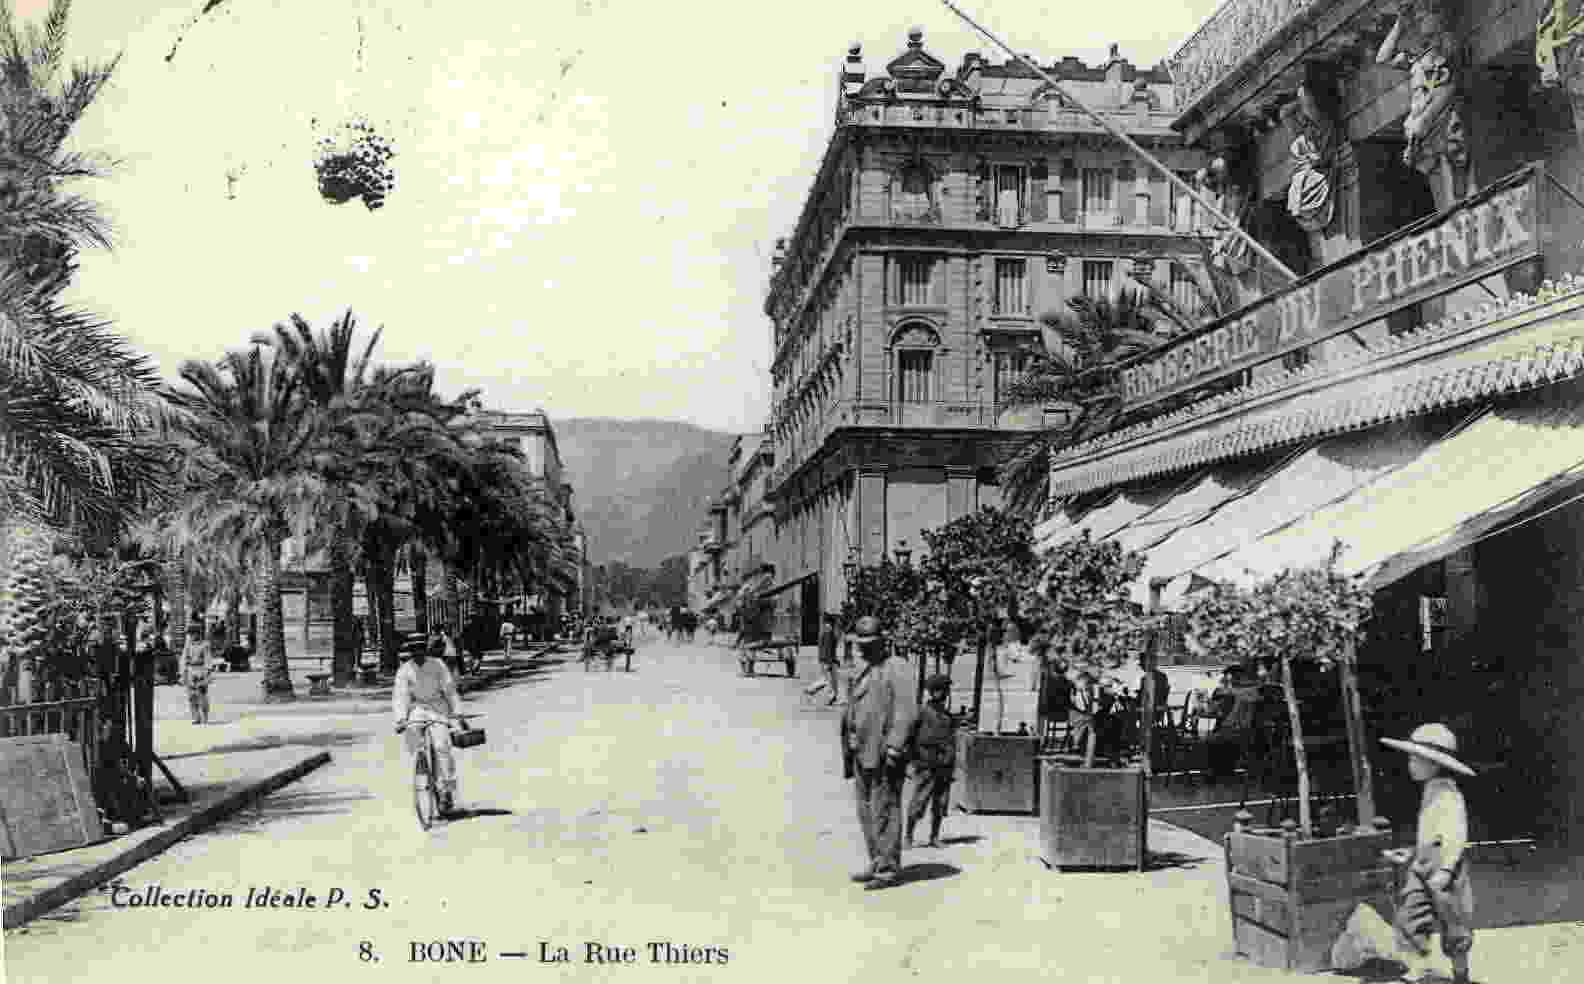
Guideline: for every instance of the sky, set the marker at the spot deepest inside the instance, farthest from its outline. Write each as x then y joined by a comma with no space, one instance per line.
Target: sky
588,191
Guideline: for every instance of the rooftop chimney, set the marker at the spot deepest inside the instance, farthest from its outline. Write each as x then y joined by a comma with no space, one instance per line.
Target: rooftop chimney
853,70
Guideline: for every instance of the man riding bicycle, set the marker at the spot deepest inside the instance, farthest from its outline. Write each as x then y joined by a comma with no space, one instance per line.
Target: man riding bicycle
426,691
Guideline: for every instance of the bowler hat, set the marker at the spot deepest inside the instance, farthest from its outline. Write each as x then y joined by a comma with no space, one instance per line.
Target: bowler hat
1434,742
866,629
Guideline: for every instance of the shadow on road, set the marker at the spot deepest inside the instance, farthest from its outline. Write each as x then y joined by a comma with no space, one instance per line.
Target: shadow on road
484,811
927,872
288,805
1375,970
965,839
1172,859
319,739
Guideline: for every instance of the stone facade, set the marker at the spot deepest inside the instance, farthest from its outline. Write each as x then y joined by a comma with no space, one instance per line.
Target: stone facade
1335,124
951,211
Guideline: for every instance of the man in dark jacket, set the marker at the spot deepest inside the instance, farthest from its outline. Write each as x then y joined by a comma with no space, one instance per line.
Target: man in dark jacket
875,731
934,759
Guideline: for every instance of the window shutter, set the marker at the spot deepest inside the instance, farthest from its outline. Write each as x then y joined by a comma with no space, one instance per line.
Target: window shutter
938,270
1038,176
1069,198
1123,196
986,192
1160,195
893,280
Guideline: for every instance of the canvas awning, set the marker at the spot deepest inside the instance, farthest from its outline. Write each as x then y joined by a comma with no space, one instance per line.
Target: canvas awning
1193,504
1317,476
1104,520
1464,486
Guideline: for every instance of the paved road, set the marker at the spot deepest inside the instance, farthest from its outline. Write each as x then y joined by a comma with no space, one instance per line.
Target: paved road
681,804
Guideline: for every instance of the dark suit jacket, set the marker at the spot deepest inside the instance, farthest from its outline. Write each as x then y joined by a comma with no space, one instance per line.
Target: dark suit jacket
880,712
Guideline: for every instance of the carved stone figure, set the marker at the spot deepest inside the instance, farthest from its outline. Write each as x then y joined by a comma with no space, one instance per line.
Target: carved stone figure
1311,196
1230,251
1421,45
1560,55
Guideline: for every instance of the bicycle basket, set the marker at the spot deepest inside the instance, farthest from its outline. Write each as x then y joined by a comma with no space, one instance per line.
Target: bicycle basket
471,738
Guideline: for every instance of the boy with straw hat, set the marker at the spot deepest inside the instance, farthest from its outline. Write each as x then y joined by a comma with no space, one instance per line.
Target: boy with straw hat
1437,895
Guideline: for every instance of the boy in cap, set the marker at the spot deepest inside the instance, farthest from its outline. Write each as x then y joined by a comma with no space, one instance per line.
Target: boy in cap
935,752
1437,895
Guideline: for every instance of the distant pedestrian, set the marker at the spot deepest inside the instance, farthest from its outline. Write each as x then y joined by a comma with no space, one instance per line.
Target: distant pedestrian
934,759
196,668
507,632
829,647
875,731
1437,895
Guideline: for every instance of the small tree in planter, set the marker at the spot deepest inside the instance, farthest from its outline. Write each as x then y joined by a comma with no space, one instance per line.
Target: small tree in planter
1292,893
1081,602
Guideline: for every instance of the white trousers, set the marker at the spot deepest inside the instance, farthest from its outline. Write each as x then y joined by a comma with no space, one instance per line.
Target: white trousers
440,738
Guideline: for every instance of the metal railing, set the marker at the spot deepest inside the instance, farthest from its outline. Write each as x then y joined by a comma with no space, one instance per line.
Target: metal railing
73,710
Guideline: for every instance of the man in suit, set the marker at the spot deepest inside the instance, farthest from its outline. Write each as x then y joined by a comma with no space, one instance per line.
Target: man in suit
881,707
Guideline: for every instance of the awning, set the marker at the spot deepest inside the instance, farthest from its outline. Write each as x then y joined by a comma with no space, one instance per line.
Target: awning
1470,483
1193,504
1104,520
1320,475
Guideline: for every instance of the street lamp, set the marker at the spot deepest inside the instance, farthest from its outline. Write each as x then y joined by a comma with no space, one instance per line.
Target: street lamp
904,555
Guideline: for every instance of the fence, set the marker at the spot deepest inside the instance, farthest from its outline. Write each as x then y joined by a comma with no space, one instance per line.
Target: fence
75,710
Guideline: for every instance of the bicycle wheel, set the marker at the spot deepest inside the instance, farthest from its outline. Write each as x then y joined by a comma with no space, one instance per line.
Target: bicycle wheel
426,795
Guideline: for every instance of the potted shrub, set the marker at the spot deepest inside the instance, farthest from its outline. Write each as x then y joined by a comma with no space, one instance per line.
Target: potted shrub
1293,889
1081,604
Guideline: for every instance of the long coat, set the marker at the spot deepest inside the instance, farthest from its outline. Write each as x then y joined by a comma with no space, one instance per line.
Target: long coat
880,712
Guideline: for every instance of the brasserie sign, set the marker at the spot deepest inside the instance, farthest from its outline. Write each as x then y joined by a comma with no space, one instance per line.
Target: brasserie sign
1484,234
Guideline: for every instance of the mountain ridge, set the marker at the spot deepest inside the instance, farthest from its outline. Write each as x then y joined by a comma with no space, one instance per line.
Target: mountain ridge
641,486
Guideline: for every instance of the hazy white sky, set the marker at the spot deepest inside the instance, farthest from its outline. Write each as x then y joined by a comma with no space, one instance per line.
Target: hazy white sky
588,190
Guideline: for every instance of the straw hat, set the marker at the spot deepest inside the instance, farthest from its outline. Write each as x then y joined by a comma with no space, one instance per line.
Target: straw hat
866,629
1435,742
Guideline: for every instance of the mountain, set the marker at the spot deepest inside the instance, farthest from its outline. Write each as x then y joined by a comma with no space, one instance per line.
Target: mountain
641,487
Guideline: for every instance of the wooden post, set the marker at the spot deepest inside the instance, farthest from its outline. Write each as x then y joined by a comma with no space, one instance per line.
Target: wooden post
978,681
1147,700
1300,756
1358,749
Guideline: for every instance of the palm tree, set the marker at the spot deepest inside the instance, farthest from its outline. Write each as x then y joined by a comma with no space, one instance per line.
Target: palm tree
250,480
1077,366
76,403
333,382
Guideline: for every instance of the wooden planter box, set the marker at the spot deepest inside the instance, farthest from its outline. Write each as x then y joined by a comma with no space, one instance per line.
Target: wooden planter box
996,773
1093,818
1292,898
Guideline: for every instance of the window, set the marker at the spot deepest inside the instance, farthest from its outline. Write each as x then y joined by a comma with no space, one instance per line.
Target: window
913,280
1097,278
912,194
1009,195
1182,208
1099,194
914,372
1184,290
1011,287
1007,367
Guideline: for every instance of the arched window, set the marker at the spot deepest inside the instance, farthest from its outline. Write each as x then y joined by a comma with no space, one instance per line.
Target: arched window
915,347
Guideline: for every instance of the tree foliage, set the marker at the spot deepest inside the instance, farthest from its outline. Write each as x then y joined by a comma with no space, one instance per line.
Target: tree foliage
1314,613
1081,605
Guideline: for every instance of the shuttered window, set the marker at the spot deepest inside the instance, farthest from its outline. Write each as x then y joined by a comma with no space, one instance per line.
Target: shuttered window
1097,278
1099,193
1183,208
1184,291
914,273
1008,366
914,371
1011,287
1009,196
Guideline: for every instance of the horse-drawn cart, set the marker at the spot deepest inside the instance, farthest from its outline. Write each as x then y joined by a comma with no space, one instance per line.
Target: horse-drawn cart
783,651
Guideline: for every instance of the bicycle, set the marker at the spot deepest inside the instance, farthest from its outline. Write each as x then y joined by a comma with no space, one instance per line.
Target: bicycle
426,788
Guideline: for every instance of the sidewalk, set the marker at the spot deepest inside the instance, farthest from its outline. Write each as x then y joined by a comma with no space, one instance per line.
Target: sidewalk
248,751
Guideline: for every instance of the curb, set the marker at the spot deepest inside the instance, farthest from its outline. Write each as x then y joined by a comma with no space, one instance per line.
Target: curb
18,913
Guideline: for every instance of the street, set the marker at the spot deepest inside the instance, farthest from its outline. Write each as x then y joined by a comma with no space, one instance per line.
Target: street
681,804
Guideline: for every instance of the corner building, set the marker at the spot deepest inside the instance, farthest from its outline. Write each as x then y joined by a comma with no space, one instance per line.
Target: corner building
950,210
1414,399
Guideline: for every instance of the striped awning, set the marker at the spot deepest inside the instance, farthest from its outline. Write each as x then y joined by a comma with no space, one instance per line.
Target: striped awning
1463,487
1193,504
1319,475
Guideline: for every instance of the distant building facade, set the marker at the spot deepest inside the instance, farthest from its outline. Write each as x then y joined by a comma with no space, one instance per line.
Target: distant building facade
950,211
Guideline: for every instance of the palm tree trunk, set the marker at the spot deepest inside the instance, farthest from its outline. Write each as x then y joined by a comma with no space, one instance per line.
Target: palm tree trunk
277,677
175,575
382,574
419,561
343,632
